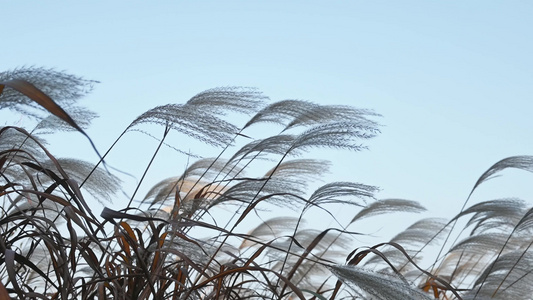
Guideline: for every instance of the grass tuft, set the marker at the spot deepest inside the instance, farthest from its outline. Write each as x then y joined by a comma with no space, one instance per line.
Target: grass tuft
179,242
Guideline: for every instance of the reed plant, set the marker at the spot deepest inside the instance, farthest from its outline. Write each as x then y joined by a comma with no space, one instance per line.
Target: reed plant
53,245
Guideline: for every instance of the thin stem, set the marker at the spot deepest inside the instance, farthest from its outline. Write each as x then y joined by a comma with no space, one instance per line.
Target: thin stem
167,130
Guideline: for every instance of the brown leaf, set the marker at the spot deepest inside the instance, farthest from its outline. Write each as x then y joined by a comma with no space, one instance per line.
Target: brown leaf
41,98
45,101
3,292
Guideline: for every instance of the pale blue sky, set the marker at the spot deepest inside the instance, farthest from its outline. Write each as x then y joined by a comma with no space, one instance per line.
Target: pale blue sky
452,79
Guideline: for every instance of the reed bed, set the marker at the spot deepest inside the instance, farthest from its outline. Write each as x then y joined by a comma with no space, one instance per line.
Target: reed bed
54,246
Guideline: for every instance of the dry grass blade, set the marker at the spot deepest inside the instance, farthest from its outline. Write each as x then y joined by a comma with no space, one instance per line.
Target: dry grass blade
9,260
42,99
110,214
38,96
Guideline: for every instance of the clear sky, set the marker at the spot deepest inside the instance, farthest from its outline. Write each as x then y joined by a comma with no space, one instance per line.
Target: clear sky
452,79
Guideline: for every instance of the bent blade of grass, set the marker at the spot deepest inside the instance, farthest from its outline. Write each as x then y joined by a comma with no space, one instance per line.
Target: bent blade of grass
41,98
9,259
46,102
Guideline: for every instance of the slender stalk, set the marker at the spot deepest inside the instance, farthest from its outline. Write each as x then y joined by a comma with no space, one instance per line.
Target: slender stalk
167,130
